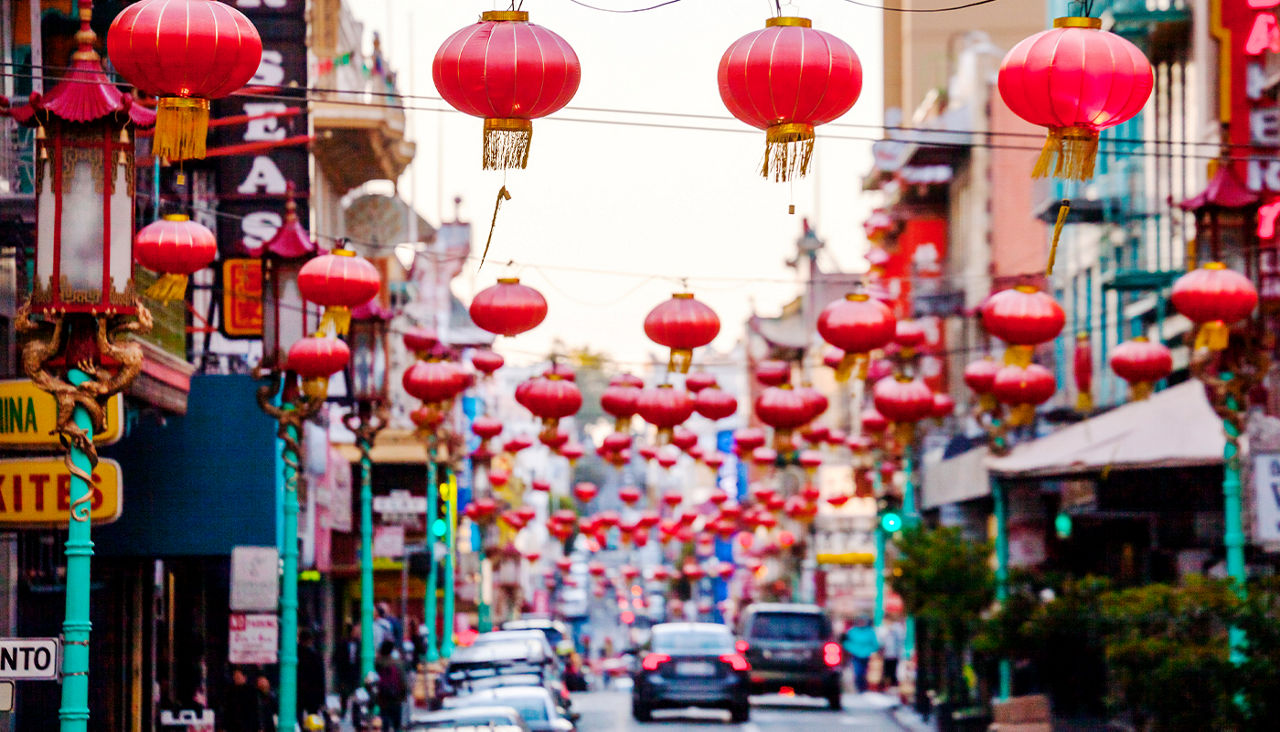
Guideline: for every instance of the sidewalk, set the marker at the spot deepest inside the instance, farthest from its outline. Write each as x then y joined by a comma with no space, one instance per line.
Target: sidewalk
903,715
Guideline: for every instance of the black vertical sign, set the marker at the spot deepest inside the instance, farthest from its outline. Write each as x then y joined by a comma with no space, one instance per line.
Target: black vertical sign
252,185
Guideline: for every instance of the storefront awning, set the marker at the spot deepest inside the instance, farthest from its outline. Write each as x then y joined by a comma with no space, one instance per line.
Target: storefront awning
956,479
1173,428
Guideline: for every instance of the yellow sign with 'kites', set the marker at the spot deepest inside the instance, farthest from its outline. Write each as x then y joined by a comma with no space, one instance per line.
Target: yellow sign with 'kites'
38,491
28,416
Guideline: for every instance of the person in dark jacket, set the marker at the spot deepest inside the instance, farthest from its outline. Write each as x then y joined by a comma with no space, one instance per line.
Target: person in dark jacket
346,662
310,676
267,705
392,688
239,706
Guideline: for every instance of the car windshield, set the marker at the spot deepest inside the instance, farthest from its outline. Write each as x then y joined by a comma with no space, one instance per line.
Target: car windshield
463,718
789,627
693,641
532,707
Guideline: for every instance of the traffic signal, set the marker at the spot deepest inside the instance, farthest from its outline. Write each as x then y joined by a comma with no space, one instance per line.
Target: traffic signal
439,527
890,513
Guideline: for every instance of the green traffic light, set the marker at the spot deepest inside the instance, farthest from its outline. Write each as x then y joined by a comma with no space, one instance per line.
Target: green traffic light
438,527
1062,526
891,522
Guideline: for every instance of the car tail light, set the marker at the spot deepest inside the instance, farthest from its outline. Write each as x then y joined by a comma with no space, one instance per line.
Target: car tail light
742,646
652,661
831,654
736,661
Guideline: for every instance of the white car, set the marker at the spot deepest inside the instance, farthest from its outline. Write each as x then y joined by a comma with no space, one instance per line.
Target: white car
535,704
489,719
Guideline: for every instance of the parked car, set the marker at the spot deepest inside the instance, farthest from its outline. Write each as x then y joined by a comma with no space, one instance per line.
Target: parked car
510,662
557,633
691,665
791,647
490,718
535,704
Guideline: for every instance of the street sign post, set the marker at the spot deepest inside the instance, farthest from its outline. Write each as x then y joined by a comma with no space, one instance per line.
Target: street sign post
255,578
1266,485
254,638
29,659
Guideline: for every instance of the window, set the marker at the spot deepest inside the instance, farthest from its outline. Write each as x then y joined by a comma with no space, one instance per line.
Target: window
698,641
790,627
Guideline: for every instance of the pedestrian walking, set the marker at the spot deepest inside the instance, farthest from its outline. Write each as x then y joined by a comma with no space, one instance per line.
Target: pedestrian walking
860,643
346,662
892,636
239,705
266,705
310,676
392,688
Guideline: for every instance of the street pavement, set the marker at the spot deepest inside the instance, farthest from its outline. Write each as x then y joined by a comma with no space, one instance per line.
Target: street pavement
610,711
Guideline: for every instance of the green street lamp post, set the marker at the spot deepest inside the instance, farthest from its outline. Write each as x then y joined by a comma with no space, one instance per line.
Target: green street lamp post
429,603
367,394
84,304
451,518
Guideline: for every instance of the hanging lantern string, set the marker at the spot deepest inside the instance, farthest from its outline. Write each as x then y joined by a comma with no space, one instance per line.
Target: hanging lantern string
503,195
1063,209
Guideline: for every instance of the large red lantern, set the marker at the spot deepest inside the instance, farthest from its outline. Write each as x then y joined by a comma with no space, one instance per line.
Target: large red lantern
773,372
619,401
747,439
552,399
508,308
339,281
1141,363
785,80
314,360
510,72
175,246
698,380
1213,297
784,409
856,325
1024,388
1022,317
714,403
486,361
434,382
664,407
420,340
980,376
186,52
1076,80
904,402
681,324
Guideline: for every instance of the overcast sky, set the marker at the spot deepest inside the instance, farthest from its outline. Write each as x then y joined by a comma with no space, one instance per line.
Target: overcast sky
636,200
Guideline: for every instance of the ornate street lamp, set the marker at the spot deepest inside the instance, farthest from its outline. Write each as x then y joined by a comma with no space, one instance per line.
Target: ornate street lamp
287,321
367,396
84,298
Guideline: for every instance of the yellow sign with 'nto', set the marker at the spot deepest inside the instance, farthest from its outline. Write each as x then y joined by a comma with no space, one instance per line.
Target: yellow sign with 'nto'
28,416
38,492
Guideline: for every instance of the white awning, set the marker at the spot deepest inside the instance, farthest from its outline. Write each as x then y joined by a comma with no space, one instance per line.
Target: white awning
1173,428
956,479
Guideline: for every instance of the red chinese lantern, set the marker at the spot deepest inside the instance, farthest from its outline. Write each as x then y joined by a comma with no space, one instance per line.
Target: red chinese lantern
1141,363
434,382
872,421
773,372
186,52
572,451
1076,80
617,442
510,72
764,456
315,359
815,433
784,409
683,438
714,403
810,460
714,461
698,380
648,452
554,439
1213,297
174,246
785,80
1023,317
856,325
747,439
552,399
664,407
541,485
814,401
508,308
339,281
1082,370
672,498
668,458
909,335
486,428
1023,388
516,444
421,340
629,494
486,361
681,324
585,491
838,501
943,406
980,376
902,401
619,401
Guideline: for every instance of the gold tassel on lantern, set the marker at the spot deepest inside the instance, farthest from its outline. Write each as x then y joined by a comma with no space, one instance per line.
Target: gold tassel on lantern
168,288
506,143
850,362
1139,391
182,124
339,317
904,432
316,389
1213,335
1070,151
788,151
681,359
1018,356
1064,208
1084,402
1022,414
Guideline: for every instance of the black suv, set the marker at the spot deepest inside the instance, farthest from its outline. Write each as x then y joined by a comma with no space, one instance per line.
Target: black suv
791,647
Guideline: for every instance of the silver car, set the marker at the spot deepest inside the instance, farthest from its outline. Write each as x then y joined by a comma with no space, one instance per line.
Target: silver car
535,704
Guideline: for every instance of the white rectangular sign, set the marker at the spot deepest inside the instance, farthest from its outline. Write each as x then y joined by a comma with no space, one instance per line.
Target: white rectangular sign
6,696
254,638
255,578
1266,485
29,659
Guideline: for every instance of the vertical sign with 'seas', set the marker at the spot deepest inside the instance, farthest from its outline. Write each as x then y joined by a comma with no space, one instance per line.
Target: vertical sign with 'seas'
1266,484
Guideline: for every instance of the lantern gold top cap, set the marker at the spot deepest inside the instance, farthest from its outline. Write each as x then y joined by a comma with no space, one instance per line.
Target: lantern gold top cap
342,251
682,295
1027,289
176,217
1078,22
857,297
788,21
508,280
1140,339
519,16
1214,265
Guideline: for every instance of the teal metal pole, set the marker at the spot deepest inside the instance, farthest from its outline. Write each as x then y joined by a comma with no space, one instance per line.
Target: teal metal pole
910,517
155,199
1002,571
367,651
880,547
451,503
288,714
74,712
1232,514
429,602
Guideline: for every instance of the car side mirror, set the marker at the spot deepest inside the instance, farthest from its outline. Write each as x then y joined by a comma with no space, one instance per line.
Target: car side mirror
562,725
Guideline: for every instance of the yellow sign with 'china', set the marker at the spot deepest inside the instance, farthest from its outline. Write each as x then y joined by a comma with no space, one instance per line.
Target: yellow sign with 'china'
38,491
28,416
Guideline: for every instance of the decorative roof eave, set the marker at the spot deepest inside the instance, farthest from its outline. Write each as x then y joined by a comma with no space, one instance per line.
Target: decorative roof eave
1223,191
291,240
